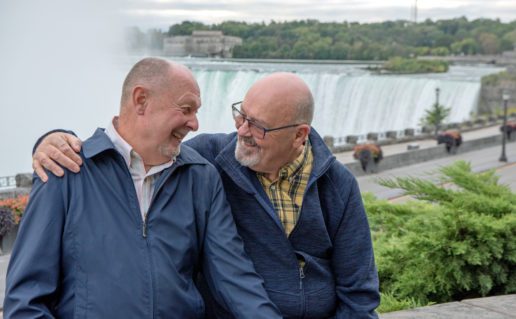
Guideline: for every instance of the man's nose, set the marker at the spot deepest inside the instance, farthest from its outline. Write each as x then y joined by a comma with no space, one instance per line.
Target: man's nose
244,129
193,123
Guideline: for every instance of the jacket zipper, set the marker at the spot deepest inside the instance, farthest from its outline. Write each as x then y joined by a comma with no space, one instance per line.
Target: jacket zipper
301,277
144,226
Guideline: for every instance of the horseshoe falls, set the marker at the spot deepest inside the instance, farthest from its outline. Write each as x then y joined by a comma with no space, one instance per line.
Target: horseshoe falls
348,99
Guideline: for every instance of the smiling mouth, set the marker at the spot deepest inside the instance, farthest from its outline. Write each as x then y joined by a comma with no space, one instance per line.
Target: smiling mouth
248,141
179,135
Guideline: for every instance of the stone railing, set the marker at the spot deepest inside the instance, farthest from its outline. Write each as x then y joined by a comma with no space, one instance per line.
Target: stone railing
15,185
346,143
7,182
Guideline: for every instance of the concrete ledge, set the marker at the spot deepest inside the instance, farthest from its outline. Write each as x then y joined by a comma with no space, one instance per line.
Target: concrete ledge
427,154
498,307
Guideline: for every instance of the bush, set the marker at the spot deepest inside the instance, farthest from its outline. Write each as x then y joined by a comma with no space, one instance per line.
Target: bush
497,78
407,66
6,220
453,242
391,303
16,205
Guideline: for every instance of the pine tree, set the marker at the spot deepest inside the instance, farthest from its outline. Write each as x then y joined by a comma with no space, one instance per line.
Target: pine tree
435,116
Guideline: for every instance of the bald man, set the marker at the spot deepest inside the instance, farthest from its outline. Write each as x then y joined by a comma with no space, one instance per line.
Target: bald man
298,210
126,237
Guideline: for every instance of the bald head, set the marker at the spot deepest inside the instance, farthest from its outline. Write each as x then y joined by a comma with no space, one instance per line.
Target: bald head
286,90
154,73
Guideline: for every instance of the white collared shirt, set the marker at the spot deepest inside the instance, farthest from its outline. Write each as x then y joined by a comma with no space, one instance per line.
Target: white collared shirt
143,181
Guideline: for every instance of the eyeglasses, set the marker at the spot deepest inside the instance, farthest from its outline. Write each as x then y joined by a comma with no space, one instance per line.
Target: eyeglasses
256,129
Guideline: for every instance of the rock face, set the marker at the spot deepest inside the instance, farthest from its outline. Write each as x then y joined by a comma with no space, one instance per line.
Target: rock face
491,96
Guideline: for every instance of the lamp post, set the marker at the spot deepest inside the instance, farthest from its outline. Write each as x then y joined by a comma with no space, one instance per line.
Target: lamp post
505,97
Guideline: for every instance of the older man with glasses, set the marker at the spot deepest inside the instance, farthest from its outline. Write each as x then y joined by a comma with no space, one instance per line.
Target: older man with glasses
298,210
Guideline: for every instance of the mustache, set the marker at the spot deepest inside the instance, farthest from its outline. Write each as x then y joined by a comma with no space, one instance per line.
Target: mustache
248,140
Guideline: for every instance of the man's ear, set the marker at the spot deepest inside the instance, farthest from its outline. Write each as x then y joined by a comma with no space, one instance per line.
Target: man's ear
302,134
140,99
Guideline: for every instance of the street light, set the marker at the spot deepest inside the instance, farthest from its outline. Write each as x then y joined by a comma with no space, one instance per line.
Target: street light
505,98
437,90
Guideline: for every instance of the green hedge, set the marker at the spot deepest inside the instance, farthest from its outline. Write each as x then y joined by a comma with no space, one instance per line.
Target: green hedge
456,240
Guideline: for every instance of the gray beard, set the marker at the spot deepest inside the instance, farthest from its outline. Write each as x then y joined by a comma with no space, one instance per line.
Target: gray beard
171,153
247,160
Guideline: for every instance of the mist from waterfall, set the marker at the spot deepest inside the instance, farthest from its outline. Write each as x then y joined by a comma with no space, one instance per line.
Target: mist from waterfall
58,68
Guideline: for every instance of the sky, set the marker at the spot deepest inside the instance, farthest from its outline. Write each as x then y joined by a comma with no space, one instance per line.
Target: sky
163,13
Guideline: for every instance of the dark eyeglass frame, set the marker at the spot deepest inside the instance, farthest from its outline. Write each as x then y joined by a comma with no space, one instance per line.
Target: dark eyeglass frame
236,112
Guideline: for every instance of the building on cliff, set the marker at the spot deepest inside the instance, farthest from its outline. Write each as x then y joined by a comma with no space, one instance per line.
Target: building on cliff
201,44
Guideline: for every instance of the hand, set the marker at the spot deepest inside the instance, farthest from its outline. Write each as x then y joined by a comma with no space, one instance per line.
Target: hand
57,147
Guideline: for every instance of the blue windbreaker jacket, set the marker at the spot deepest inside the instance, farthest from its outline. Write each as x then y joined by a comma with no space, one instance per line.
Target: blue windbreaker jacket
83,250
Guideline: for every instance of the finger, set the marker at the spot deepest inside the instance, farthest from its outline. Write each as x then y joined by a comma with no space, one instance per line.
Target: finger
71,159
48,163
75,142
63,156
39,170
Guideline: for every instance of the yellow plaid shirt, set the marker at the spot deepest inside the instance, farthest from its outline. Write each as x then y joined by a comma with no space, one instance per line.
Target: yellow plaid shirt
286,193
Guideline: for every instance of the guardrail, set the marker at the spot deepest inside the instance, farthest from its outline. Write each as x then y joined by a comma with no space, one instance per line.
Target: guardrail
346,143
7,182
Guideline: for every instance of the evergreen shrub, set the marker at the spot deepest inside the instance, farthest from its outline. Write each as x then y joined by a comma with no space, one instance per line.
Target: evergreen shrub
455,240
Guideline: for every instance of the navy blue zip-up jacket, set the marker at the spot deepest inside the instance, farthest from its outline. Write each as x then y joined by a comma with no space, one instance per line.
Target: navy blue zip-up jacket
83,250
332,235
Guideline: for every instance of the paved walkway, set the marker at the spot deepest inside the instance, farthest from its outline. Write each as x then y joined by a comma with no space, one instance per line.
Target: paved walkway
500,307
481,160
347,157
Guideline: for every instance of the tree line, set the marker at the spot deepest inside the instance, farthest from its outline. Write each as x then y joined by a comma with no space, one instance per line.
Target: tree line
311,39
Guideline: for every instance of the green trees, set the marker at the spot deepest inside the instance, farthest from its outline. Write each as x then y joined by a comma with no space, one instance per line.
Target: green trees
402,65
454,241
435,116
311,39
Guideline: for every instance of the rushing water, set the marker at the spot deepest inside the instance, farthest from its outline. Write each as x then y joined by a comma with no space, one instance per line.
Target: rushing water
349,99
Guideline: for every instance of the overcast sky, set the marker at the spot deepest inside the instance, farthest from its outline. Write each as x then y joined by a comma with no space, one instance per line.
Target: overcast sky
163,13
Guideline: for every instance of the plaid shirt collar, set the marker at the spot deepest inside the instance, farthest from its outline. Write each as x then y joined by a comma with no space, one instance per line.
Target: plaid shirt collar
293,169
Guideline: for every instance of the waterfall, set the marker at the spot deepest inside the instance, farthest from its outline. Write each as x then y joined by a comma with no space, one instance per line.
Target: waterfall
349,99
350,102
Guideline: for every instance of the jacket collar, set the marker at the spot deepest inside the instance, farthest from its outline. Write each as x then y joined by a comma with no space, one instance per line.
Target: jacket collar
99,142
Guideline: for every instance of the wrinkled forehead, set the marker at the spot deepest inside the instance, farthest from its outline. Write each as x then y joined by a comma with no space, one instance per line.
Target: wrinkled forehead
190,98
